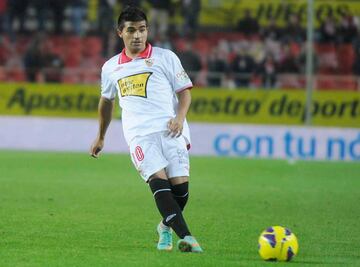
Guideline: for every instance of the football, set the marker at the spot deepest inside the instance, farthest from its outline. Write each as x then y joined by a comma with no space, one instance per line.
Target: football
277,243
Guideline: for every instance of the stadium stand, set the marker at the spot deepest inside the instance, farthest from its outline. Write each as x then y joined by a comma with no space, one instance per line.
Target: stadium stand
83,54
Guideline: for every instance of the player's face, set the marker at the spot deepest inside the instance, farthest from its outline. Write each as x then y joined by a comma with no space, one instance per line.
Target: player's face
134,35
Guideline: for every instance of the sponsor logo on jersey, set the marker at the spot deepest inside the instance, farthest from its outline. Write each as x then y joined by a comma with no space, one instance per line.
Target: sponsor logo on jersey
182,76
134,85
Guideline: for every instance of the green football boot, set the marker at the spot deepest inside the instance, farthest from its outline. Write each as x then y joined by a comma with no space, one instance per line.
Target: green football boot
165,238
189,244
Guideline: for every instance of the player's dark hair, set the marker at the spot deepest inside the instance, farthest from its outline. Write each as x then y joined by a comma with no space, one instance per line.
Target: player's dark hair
131,13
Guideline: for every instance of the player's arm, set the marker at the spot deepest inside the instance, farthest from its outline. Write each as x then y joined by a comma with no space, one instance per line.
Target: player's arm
105,114
175,125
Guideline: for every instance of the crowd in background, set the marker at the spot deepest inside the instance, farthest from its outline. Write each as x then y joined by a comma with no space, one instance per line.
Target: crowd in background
46,40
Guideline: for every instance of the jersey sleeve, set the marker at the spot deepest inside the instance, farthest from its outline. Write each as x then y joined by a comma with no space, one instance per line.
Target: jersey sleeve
176,73
108,89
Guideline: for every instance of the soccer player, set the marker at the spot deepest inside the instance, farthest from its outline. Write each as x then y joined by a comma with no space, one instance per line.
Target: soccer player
154,96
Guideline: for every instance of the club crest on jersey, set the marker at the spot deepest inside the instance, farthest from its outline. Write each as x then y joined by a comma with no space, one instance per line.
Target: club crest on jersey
134,85
149,62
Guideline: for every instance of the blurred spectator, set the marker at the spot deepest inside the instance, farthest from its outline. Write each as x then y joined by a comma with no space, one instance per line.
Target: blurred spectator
271,31
159,18
217,67
106,24
287,61
116,45
57,9
4,50
78,12
293,32
356,66
17,10
190,61
191,11
3,15
256,50
14,61
356,47
268,72
52,65
105,15
302,60
328,29
348,28
224,46
356,44
125,3
41,64
248,25
41,13
273,47
243,66
33,59
89,69
10,61
164,42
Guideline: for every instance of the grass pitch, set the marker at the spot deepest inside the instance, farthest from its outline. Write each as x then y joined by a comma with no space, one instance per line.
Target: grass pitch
61,209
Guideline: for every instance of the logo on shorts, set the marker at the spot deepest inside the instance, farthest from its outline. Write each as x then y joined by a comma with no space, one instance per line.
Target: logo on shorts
183,156
181,153
139,153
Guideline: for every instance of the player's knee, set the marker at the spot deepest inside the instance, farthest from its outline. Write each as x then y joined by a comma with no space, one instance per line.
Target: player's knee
158,175
153,177
158,185
180,190
179,180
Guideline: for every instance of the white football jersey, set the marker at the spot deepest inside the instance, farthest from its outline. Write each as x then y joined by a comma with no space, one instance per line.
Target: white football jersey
147,87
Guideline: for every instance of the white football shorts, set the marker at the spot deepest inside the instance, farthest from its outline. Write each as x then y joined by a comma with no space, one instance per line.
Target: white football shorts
156,151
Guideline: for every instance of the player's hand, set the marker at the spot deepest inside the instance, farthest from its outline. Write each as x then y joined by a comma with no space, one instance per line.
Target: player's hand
175,127
96,147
